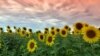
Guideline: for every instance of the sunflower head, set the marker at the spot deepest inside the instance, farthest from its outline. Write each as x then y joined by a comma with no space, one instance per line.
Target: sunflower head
91,34
52,28
50,40
14,27
63,32
24,28
46,32
18,30
41,37
46,29
1,28
53,32
8,27
9,31
66,27
57,30
78,25
38,31
30,30
28,34
22,33
32,45
99,29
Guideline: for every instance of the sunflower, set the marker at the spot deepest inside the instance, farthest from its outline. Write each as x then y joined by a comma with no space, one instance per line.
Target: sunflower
24,28
99,28
50,40
8,27
41,37
91,34
14,27
46,32
9,30
53,32
31,45
57,30
18,30
30,31
67,27
38,32
78,27
1,29
28,34
63,32
52,28
46,29
22,33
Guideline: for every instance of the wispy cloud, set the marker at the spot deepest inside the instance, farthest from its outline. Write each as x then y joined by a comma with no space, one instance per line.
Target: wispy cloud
45,13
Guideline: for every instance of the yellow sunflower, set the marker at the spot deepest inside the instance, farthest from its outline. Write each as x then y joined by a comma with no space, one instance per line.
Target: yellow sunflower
31,45
46,32
41,37
24,28
53,32
50,40
18,30
46,29
22,33
91,34
78,27
1,29
67,27
57,30
63,32
52,28
8,27
9,30
28,34
14,27
99,28
30,31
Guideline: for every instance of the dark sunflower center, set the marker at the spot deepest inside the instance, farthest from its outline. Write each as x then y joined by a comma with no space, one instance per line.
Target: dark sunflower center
10,31
50,39
41,36
52,32
27,35
58,30
18,30
23,32
46,29
45,32
99,29
63,32
30,30
66,27
52,28
79,26
31,45
91,34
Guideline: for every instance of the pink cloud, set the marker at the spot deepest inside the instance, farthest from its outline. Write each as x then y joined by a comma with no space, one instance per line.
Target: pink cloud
70,8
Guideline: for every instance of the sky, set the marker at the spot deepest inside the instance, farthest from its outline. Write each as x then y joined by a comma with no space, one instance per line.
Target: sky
38,14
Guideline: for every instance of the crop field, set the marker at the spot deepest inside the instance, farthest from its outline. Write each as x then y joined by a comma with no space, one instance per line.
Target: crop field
82,39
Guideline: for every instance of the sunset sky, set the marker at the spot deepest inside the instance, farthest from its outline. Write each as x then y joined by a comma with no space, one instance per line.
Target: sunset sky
38,14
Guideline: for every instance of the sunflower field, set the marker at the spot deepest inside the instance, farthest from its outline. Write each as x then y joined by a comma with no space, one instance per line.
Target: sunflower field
81,39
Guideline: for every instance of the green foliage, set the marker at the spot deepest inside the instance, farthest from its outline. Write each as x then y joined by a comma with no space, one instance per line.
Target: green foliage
15,45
